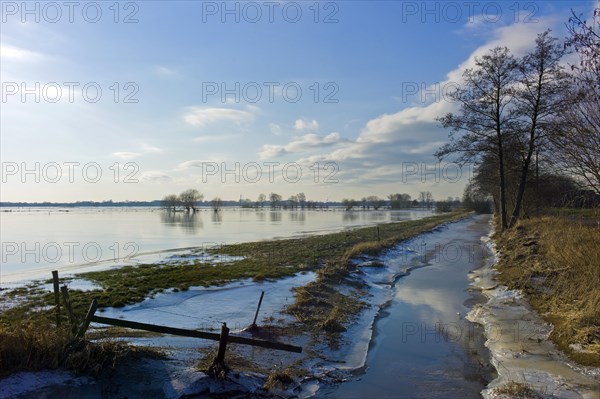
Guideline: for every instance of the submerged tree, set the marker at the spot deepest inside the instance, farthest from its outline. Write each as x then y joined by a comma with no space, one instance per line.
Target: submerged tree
275,200
170,202
189,199
216,204
349,203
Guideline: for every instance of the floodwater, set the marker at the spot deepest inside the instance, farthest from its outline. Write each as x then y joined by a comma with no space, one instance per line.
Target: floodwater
422,346
36,241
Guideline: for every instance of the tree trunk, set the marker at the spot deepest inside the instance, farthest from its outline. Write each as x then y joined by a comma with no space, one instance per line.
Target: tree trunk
503,217
521,190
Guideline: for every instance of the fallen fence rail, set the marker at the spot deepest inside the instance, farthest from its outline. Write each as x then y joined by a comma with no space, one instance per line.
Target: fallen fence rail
223,338
196,334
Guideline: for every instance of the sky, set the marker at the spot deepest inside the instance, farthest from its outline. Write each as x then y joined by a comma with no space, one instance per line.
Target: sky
134,100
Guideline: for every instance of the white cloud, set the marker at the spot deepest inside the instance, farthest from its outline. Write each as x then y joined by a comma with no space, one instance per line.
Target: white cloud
410,135
303,143
155,176
126,154
201,117
275,129
149,148
10,52
195,163
145,148
304,125
165,71
214,138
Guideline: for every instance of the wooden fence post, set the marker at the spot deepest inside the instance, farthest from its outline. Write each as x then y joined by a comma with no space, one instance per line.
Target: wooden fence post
377,228
56,296
222,344
65,294
88,319
262,294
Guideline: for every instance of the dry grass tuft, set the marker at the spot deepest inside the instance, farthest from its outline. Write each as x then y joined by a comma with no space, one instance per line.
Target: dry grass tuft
556,263
516,390
35,348
279,379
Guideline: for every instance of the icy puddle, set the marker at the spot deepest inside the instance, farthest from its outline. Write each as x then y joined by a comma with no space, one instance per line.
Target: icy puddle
207,308
422,345
199,308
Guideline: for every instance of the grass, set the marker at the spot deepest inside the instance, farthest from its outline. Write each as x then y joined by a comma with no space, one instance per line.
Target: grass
262,260
556,263
34,348
27,342
516,390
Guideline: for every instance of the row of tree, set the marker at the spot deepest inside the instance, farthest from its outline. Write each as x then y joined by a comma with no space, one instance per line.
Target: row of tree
189,199
529,121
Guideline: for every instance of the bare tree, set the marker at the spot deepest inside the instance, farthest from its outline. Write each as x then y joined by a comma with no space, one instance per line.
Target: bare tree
293,202
261,200
426,199
275,200
485,116
399,201
189,199
539,99
301,200
170,202
576,135
216,204
349,203
375,202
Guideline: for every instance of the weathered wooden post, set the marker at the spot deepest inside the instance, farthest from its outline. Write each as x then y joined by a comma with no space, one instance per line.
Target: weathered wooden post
222,344
65,294
88,319
262,294
56,296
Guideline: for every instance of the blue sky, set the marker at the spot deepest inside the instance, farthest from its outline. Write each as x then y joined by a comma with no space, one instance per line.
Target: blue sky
165,123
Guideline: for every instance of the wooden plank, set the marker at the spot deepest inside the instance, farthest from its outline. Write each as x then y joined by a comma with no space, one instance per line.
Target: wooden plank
65,294
195,334
88,318
262,294
56,296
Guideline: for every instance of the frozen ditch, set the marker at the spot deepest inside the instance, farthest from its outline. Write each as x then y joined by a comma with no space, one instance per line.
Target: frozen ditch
420,345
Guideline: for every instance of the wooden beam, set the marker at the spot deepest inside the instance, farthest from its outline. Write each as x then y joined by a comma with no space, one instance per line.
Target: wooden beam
195,334
65,294
88,318
262,294
56,296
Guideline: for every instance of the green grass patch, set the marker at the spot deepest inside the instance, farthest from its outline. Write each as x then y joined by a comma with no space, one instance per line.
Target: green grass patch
262,260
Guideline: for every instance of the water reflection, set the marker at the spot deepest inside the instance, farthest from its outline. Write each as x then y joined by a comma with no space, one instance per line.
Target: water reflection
350,216
298,217
156,230
189,222
261,216
275,216
217,217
